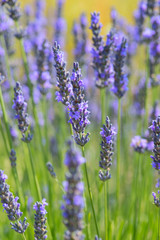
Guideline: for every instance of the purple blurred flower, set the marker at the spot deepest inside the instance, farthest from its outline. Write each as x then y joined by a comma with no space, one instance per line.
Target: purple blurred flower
73,199
120,78
139,144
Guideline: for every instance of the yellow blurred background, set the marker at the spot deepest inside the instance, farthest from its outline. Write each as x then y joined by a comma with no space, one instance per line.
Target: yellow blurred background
73,9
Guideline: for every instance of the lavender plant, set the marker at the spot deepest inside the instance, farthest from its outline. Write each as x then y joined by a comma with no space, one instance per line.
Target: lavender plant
78,107
63,81
101,53
40,219
20,107
106,153
73,198
11,205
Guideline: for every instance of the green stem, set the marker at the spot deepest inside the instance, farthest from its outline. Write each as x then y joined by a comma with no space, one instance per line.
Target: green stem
34,174
24,237
136,202
146,85
118,153
5,119
90,193
106,210
103,99
158,237
4,138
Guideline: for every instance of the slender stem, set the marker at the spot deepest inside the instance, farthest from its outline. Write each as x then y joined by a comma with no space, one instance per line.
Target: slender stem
146,85
5,119
136,202
103,99
106,210
90,193
158,237
24,237
106,194
118,153
34,174
4,138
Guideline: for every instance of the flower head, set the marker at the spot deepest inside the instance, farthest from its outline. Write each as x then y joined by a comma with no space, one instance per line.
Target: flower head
139,144
40,220
120,78
11,205
106,153
78,107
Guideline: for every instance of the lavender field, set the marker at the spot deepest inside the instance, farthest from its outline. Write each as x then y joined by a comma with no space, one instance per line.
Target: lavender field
79,122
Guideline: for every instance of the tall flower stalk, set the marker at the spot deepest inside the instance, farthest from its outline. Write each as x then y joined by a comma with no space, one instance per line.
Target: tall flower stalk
20,107
155,128
78,112
106,153
14,170
119,88
73,199
140,145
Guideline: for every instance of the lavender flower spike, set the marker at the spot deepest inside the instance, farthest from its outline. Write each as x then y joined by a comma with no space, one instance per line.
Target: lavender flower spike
40,220
78,107
120,79
106,153
11,205
20,107
101,53
155,127
63,81
73,199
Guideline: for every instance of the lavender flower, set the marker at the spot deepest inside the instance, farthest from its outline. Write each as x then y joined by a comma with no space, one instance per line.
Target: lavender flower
20,107
63,81
73,199
156,199
140,15
11,205
60,24
101,53
5,23
44,77
155,127
40,220
78,107
120,78
36,29
13,9
139,97
50,169
80,40
158,183
139,144
150,7
106,153
13,158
